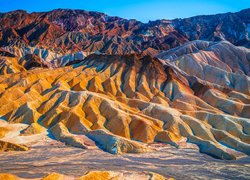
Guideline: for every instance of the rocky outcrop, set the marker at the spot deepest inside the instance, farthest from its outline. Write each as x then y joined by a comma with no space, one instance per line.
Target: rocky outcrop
33,129
201,56
3,131
7,146
61,133
115,144
6,176
220,65
116,100
104,175
121,175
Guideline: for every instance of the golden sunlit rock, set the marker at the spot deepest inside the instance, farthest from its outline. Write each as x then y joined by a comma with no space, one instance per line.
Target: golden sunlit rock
7,146
130,98
6,176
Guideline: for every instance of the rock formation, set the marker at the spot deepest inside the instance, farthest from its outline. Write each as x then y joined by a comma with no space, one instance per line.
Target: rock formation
7,146
105,175
139,98
90,80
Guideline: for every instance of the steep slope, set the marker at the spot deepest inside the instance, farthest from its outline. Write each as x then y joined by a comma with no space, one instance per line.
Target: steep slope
77,30
233,27
137,98
219,63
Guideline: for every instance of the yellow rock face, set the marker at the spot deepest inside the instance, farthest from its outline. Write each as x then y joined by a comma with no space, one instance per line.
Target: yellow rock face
3,131
53,176
168,137
7,146
8,177
130,98
95,175
100,175
34,128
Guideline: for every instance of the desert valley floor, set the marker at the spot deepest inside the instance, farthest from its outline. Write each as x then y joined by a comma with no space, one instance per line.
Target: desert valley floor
48,155
51,156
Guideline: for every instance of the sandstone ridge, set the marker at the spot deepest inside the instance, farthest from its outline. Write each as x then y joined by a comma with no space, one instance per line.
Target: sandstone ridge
116,100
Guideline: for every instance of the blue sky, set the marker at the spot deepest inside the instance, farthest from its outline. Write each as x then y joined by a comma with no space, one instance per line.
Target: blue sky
142,10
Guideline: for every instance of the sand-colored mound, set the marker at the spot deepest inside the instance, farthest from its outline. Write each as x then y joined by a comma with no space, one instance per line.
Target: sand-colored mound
115,144
62,134
54,176
34,128
7,146
22,134
95,175
120,176
5,176
132,98
3,131
101,175
168,138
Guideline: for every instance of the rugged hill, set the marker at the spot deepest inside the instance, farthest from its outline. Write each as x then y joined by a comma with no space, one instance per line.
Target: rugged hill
233,27
118,100
77,30
217,62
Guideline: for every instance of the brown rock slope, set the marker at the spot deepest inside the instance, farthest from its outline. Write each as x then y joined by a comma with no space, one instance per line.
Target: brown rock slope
78,30
131,98
75,30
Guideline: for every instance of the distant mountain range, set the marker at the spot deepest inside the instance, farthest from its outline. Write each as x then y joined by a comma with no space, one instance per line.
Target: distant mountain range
65,30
